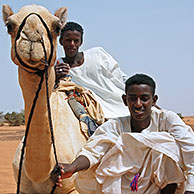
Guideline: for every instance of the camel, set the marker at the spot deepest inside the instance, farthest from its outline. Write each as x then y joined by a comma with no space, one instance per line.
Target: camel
30,46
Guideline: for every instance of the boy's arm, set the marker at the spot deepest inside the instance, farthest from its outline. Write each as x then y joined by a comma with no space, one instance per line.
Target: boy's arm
67,170
184,136
92,152
80,163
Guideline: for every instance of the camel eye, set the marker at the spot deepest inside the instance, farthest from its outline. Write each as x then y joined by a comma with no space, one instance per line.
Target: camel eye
10,27
57,27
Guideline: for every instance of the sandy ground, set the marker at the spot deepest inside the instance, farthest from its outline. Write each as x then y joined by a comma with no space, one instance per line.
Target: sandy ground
189,121
9,140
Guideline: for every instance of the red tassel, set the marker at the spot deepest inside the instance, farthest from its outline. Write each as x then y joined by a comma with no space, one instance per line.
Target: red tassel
134,183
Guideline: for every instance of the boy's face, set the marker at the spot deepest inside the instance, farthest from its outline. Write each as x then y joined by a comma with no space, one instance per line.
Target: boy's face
139,100
71,41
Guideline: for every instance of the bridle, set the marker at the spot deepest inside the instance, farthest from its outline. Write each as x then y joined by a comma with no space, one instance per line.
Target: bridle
41,73
36,70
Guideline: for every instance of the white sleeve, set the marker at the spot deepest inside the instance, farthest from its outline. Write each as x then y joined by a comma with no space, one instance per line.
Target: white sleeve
100,142
112,65
184,136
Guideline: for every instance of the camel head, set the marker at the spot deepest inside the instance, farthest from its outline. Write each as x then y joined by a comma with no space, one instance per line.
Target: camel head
33,32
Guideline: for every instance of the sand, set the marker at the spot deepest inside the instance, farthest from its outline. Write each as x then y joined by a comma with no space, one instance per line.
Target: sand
9,140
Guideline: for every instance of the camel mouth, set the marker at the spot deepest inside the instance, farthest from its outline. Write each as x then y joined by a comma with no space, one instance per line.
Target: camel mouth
31,52
30,62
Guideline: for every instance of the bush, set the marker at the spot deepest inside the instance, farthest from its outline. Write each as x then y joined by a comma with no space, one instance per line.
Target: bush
1,115
180,115
15,119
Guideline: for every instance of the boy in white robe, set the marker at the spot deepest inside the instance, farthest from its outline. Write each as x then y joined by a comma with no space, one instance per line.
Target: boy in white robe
154,146
94,69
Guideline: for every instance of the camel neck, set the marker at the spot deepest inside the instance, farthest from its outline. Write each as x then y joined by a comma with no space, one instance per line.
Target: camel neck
38,144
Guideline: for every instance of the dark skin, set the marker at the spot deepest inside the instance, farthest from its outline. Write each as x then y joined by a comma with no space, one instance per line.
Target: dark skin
139,100
71,42
67,170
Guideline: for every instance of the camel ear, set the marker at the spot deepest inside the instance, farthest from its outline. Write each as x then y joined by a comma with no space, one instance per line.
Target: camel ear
7,12
61,13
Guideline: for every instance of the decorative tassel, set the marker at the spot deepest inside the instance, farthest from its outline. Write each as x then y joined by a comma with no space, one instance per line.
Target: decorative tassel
134,183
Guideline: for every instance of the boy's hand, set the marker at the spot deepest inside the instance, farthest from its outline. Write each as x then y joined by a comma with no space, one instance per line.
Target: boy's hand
61,172
64,171
61,69
67,171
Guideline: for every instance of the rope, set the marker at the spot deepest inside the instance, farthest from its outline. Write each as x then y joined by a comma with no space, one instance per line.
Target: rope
53,189
49,116
41,74
49,111
38,71
28,126
50,124
26,132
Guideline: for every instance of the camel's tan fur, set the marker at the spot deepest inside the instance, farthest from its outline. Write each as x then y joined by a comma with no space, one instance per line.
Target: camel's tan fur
39,158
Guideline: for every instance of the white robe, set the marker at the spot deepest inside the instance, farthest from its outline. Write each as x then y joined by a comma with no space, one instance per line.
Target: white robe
101,74
162,154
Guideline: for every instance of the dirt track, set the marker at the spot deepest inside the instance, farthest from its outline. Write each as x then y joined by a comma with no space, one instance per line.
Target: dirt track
9,140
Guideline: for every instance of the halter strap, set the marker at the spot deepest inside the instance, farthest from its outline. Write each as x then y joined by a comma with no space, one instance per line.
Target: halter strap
41,73
37,70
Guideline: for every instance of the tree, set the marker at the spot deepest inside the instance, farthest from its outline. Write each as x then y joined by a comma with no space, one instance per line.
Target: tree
15,119
1,119
1,114
180,115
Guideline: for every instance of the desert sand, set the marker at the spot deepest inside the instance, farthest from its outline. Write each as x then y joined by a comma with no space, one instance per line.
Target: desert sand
9,140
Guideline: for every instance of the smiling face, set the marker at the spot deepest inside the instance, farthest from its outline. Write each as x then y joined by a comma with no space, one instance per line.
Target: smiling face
139,99
71,41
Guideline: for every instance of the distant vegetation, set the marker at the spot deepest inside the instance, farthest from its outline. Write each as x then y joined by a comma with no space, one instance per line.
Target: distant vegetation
17,119
1,118
180,115
12,119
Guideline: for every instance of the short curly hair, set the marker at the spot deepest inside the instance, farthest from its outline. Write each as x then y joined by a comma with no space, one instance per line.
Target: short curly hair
140,79
72,26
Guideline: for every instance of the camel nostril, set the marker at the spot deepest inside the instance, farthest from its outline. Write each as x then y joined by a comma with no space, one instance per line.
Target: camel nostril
24,35
38,32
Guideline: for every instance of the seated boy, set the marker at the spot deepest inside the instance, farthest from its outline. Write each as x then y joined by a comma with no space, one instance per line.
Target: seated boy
151,151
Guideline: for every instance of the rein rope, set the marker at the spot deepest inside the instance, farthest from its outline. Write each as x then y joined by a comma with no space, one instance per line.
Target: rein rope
41,73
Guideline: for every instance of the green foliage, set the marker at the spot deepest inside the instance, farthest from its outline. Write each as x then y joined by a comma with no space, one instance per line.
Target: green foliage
180,115
1,115
15,119
1,123
1,119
